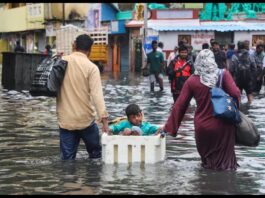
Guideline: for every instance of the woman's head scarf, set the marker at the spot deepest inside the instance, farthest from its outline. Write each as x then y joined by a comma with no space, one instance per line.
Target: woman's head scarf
206,67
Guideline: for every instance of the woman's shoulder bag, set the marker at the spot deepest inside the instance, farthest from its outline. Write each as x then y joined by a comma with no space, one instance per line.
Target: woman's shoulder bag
224,106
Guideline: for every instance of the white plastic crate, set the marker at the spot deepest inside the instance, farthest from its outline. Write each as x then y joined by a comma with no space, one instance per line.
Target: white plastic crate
127,149
66,35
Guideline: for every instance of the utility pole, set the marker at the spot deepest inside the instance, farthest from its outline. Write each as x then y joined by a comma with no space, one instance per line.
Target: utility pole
63,14
145,32
145,20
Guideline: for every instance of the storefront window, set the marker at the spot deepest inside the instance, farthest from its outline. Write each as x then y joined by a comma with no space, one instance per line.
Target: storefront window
185,38
255,38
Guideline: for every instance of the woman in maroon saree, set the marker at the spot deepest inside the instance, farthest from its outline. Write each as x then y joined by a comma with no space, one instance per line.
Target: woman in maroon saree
215,138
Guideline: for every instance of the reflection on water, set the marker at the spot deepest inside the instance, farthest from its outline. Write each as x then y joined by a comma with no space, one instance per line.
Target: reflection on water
29,143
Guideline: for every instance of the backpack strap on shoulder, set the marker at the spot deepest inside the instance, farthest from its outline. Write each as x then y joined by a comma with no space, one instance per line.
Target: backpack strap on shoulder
221,74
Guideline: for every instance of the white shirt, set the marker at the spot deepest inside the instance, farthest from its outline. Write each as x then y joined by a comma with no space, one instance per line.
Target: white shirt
160,50
251,51
171,57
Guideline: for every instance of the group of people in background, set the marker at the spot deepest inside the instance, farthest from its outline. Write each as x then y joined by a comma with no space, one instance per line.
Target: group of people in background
245,65
193,75
20,48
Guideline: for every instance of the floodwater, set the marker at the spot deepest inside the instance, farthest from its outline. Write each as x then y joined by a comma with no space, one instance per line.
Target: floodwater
29,150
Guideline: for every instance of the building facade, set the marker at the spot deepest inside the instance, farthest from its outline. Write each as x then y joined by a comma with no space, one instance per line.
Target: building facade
35,25
197,24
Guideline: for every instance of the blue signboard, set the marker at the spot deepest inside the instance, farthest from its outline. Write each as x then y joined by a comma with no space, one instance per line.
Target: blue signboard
148,43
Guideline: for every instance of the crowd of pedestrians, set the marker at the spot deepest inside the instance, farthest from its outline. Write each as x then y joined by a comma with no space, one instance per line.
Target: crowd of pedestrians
192,75
245,64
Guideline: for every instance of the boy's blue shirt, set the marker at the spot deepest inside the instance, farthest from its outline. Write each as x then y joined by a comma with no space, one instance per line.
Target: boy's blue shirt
146,127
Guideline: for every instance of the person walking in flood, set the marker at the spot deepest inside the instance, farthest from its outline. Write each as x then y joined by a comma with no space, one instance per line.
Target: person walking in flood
220,57
230,52
179,70
79,100
215,137
160,47
155,63
258,56
243,70
170,58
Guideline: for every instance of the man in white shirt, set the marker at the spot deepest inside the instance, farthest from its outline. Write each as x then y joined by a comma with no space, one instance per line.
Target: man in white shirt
172,55
160,47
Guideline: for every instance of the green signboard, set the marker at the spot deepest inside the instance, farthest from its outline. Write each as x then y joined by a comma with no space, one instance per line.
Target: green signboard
193,5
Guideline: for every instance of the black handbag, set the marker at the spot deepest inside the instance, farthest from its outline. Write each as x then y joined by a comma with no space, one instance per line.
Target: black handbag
48,77
146,72
246,132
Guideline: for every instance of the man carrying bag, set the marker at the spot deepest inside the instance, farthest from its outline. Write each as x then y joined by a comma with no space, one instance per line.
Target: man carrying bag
79,101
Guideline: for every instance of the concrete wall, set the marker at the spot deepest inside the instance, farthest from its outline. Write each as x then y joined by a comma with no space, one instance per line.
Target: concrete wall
13,20
35,16
242,36
170,39
3,48
246,36
22,18
108,13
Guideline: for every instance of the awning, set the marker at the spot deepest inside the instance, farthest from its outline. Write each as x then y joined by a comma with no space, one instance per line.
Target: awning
185,25
134,23
155,24
174,25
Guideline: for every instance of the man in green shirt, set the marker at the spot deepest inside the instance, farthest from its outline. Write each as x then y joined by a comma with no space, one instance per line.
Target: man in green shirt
155,60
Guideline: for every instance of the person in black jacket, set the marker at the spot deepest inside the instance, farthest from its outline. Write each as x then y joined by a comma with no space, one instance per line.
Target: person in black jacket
243,70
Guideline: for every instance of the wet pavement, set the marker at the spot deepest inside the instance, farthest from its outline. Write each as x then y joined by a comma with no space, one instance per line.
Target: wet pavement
30,163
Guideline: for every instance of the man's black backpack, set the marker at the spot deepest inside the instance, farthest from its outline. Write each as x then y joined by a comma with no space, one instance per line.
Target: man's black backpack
48,77
244,60
243,70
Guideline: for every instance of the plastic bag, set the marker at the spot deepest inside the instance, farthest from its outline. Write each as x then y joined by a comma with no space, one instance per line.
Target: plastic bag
247,133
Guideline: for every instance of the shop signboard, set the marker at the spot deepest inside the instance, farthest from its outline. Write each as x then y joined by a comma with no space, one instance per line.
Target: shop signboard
148,43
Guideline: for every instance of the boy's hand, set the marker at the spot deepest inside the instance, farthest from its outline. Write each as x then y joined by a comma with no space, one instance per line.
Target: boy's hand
136,133
136,130
127,132
110,132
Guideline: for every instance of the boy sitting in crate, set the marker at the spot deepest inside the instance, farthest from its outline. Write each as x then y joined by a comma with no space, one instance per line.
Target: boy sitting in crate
134,124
